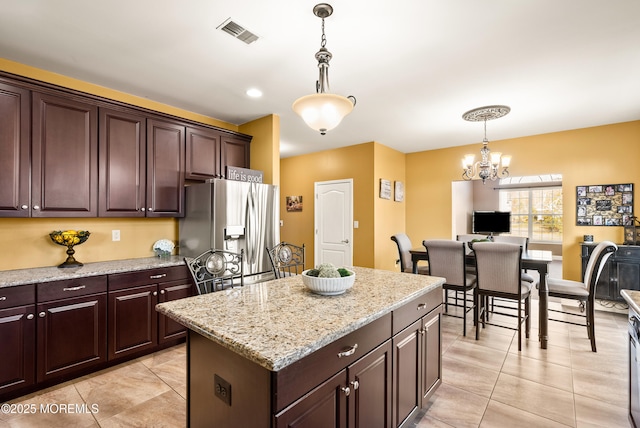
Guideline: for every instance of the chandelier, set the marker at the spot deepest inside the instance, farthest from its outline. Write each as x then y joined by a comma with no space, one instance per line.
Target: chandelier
323,111
488,167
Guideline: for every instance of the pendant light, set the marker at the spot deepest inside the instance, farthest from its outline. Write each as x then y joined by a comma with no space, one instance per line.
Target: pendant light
323,110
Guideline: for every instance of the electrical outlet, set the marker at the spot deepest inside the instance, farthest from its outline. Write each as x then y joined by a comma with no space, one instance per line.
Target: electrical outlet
222,389
115,235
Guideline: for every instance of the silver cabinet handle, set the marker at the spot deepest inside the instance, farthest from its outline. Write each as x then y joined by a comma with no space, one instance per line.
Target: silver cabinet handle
24,207
346,390
355,384
345,241
36,207
162,275
421,306
142,209
155,293
3,298
30,316
79,287
161,291
348,352
42,314
150,209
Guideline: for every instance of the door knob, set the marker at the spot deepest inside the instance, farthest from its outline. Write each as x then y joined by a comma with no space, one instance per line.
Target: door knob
345,241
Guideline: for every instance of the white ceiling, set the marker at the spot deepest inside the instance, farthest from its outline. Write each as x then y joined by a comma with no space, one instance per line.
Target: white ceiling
414,67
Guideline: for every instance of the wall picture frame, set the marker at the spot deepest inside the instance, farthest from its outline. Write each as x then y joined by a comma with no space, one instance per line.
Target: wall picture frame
605,205
398,194
385,189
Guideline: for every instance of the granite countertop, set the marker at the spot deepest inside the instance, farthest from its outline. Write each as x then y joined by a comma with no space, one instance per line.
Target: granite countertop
10,278
278,322
633,299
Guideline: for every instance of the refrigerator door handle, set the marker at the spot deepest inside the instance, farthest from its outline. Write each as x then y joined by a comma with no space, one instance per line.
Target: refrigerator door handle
251,219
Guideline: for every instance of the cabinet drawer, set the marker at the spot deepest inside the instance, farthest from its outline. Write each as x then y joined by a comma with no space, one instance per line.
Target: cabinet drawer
56,290
628,252
416,309
17,296
119,281
300,377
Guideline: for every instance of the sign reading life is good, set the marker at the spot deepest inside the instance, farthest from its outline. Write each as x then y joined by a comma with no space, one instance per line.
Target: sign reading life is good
244,174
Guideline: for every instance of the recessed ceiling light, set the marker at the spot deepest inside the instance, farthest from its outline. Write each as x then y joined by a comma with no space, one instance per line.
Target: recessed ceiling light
254,92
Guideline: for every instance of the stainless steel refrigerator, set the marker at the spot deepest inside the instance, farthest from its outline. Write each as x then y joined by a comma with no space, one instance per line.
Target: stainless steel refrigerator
232,215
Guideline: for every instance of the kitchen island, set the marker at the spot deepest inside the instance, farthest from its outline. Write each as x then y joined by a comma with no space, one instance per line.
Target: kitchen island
274,354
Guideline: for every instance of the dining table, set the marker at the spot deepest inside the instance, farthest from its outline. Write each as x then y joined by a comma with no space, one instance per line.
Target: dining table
537,260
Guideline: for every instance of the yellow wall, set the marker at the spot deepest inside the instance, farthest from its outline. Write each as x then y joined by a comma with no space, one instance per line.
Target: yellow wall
30,245
389,214
597,155
265,146
27,242
298,175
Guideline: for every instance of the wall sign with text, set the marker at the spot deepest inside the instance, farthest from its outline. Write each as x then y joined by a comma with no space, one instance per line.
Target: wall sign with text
604,205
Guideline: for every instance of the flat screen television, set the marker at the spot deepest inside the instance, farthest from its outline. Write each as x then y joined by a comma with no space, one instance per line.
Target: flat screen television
491,222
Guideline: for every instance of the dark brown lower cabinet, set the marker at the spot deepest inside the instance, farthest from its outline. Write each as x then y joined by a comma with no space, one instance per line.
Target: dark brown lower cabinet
417,357
431,355
378,376
54,331
17,352
359,396
72,332
325,406
134,325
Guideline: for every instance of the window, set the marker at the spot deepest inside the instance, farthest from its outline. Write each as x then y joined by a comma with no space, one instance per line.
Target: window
536,212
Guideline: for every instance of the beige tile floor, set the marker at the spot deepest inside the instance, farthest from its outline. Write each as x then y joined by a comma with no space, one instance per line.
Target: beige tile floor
486,383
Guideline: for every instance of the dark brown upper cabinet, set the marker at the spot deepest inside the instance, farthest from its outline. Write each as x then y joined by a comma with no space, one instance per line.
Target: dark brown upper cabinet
15,141
165,168
235,152
203,154
64,163
123,173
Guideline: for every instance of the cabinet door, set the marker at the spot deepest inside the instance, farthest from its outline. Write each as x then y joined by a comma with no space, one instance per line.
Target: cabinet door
202,154
133,325
431,355
122,175
325,406
17,353
15,141
406,373
628,274
165,168
64,158
71,335
370,389
235,152
168,329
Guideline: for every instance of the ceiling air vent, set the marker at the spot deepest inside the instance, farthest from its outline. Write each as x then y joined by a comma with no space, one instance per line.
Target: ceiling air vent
238,31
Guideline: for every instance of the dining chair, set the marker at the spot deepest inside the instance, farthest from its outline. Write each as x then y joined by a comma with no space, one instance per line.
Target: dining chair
404,247
286,259
584,291
523,241
447,259
498,270
216,270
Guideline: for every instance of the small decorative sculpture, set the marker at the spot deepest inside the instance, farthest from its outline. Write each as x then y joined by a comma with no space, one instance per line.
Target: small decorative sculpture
69,238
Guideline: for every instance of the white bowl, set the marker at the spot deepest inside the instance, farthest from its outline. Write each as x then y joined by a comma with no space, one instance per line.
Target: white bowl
328,286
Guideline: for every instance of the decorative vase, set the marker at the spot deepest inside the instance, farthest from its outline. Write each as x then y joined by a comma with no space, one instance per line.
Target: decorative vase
70,238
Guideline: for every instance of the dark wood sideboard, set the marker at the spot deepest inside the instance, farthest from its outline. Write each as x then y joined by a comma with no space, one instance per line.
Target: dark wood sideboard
622,271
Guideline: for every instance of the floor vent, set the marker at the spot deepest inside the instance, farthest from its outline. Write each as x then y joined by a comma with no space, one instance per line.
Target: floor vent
238,31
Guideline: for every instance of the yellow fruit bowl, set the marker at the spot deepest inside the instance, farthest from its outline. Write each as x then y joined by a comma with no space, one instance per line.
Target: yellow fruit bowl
69,238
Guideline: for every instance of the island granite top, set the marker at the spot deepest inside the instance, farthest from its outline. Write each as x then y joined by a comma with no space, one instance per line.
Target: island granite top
633,299
278,322
10,278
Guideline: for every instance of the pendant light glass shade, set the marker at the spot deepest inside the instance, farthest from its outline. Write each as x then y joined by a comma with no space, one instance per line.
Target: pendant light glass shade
322,112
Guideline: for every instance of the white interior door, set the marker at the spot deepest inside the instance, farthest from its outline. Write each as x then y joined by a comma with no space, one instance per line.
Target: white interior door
334,223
